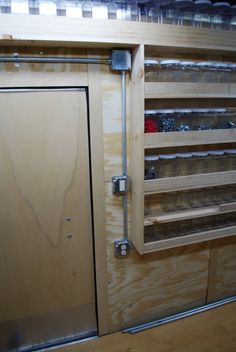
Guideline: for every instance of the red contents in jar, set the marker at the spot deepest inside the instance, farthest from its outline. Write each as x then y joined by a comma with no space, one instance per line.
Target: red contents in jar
151,126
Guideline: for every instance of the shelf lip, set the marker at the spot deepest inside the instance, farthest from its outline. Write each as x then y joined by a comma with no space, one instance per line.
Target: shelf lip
192,213
60,29
189,239
189,182
173,139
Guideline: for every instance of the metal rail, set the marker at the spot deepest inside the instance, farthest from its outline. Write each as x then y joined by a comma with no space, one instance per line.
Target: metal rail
50,59
179,316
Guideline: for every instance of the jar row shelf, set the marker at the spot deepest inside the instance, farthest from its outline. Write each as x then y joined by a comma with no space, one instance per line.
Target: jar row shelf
196,13
189,163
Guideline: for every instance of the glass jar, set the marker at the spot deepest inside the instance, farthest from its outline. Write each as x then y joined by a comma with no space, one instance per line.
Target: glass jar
208,198
200,162
151,123
73,9
134,11
222,72
201,119
206,71
202,16
151,70
47,7
5,6
151,167
186,71
34,7
61,7
222,9
233,18
167,165
216,161
185,18
19,7
231,159
87,9
168,70
111,8
169,202
99,10
182,201
196,198
217,118
184,164
183,119
166,120
232,73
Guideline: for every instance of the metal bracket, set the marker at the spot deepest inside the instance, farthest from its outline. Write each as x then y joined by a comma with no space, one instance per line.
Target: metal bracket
120,60
122,248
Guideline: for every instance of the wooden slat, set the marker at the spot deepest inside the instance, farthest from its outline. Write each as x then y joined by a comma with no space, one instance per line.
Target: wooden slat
189,182
178,139
172,90
189,214
137,148
189,239
74,31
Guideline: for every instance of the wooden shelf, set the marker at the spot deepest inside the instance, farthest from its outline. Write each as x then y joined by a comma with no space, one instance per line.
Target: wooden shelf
189,239
180,183
59,30
178,139
189,214
172,90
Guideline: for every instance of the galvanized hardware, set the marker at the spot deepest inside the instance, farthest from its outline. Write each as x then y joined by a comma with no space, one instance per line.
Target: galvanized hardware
68,219
120,184
120,60
69,236
122,248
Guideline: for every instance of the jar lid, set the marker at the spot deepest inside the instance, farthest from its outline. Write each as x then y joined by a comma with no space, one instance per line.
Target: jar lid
167,156
216,152
221,4
218,110
151,158
219,64
181,3
202,4
230,151
201,110
164,111
169,62
151,62
183,111
151,112
200,154
231,65
187,63
204,63
184,155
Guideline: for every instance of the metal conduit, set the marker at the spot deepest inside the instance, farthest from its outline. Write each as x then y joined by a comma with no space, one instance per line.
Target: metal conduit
124,150
72,60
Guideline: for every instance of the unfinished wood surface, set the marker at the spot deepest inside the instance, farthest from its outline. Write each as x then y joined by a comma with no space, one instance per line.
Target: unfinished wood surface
189,182
189,239
160,218
43,74
46,261
214,330
178,139
137,147
222,268
172,90
73,31
98,189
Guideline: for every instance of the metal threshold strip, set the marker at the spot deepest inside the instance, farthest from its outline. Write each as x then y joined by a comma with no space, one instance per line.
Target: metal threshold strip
179,316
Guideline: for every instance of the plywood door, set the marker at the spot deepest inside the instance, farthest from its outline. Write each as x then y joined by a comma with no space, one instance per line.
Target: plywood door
46,255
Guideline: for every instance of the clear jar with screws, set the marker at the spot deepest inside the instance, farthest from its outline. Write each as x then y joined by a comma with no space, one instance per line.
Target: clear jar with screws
73,9
47,7
19,7
34,7
5,6
167,72
169,202
196,198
